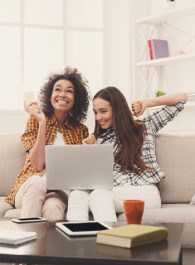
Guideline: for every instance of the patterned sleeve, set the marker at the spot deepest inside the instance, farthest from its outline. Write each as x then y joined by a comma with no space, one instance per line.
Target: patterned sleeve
85,132
81,132
29,136
160,118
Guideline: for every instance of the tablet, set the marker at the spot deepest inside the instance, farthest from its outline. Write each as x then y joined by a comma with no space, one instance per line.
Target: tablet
82,228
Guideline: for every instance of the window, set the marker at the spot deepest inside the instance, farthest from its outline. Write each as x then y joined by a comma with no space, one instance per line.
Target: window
43,36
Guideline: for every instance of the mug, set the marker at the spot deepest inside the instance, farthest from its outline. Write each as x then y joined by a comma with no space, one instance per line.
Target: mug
133,210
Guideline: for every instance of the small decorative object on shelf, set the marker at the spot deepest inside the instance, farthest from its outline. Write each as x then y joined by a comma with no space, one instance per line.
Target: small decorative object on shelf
180,52
160,92
170,0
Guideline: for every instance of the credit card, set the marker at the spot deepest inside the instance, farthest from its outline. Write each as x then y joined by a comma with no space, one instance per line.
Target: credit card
29,97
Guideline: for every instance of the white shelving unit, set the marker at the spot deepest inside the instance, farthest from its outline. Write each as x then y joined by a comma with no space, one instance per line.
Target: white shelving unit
165,61
163,18
147,68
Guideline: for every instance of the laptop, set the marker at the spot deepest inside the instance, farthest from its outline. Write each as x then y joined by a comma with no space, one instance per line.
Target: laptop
79,166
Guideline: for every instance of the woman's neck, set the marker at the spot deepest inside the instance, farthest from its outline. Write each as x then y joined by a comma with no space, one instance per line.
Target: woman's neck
60,117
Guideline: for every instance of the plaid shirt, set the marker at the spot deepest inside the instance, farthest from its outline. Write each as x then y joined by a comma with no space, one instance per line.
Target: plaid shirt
71,135
153,123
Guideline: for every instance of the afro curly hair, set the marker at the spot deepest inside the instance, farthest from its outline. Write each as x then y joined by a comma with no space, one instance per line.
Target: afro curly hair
81,91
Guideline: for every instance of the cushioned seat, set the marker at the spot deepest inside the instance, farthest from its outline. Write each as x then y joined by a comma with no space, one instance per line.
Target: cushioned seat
175,155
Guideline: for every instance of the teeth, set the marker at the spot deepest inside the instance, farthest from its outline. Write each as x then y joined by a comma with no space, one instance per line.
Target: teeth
59,100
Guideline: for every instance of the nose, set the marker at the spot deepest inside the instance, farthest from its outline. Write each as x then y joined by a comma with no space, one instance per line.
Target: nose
98,117
62,94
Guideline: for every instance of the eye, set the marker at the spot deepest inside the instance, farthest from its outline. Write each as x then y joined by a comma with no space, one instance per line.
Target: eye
70,91
56,89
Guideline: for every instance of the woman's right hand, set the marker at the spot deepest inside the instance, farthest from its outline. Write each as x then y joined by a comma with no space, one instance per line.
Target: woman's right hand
35,110
138,107
90,139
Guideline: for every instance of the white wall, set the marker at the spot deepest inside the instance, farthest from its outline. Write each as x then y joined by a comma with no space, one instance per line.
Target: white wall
161,6
118,64
119,19
118,41
12,121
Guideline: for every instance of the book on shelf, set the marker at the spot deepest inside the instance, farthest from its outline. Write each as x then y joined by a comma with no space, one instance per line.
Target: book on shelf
150,49
158,48
15,237
129,236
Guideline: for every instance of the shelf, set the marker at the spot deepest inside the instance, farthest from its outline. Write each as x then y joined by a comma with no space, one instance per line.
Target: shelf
150,70
160,19
166,61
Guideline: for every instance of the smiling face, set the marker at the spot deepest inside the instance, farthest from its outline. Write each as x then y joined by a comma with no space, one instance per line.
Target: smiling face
62,98
103,113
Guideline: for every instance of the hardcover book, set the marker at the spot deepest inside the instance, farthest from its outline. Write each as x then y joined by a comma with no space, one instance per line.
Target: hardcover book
150,49
130,236
15,237
158,48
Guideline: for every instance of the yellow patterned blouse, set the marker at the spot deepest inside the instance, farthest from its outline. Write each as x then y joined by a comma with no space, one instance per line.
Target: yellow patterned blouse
71,135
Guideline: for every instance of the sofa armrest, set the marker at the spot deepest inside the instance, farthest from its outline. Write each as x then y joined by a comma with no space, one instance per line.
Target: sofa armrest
12,155
175,156
4,207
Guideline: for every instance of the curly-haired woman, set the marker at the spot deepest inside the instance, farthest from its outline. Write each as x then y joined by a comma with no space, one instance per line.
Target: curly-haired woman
63,106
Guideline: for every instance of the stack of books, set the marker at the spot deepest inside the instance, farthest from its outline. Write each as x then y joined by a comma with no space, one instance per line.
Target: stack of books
15,237
129,236
158,48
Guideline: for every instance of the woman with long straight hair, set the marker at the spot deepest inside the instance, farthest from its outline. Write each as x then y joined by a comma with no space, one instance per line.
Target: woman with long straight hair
136,173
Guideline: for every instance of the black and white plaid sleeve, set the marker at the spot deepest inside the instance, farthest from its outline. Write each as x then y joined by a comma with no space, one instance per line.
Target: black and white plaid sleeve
161,117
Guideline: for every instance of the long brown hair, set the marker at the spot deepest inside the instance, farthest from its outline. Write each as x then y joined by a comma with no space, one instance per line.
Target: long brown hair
129,132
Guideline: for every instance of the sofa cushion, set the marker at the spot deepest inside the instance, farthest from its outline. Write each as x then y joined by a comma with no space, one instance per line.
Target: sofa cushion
175,155
13,213
4,207
12,157
168,213
192,199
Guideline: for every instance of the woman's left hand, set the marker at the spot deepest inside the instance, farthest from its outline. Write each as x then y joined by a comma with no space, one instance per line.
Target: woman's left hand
90,139
35,110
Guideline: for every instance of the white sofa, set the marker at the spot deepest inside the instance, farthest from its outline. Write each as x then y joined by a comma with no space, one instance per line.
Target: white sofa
175,155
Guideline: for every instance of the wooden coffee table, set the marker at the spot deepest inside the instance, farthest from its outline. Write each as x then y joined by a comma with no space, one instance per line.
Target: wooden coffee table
54,247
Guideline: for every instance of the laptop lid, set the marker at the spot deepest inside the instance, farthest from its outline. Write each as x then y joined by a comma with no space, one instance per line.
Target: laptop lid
79,166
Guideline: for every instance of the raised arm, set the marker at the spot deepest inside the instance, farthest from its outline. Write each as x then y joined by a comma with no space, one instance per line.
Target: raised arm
37,152
171,99
139,106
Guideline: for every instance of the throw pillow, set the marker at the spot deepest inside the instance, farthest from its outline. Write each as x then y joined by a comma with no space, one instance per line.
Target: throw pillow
193,200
